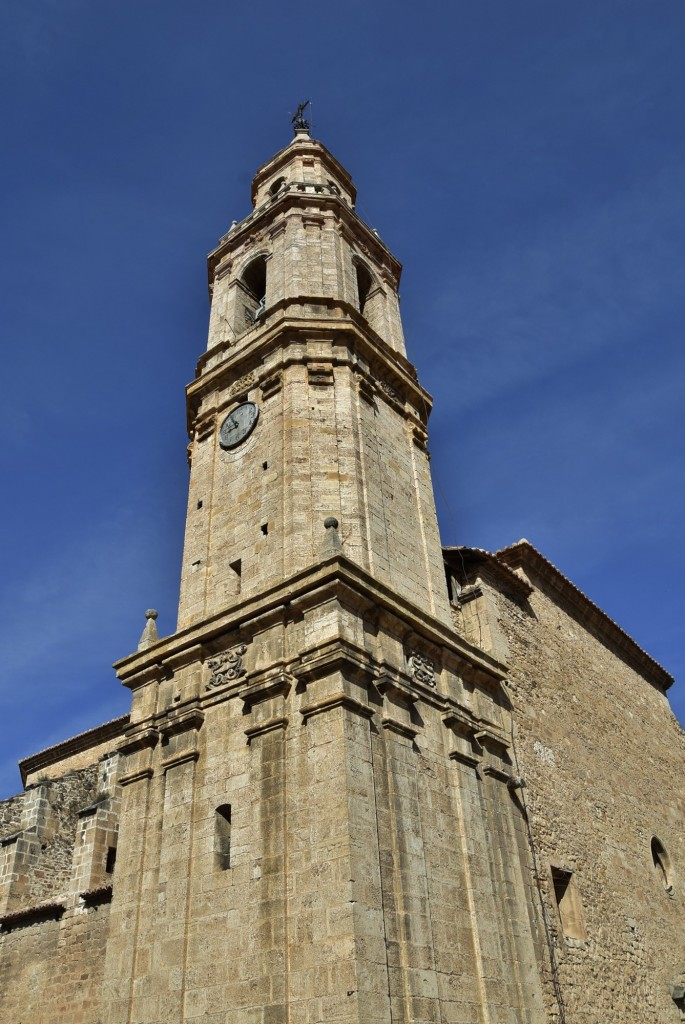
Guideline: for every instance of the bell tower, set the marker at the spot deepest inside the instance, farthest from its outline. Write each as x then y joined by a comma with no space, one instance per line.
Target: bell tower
317,816
306,350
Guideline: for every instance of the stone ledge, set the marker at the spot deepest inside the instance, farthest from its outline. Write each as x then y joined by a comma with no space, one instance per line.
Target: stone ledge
143,773
333,576
52,911
336,700
392,725
183,757
271,726
98,895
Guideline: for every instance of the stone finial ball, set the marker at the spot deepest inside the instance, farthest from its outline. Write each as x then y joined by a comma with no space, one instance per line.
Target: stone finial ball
331,523
151,613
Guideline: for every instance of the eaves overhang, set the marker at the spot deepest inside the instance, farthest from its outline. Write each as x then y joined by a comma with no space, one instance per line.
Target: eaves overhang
523,555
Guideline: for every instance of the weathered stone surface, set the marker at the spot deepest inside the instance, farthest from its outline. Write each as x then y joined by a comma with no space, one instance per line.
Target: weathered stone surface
325,804
602,758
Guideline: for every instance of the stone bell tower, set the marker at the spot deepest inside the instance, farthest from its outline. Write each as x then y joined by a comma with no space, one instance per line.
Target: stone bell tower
317,814
305,342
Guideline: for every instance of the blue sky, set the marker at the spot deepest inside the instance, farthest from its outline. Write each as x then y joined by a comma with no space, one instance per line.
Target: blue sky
523,160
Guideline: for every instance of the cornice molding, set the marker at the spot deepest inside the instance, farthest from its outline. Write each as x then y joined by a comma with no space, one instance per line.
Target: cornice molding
333,577
112,730
523,555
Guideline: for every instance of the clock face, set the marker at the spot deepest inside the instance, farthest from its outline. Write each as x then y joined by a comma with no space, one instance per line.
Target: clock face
238,425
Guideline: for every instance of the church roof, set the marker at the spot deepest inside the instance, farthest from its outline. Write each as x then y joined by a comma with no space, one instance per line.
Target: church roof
523,555
74,745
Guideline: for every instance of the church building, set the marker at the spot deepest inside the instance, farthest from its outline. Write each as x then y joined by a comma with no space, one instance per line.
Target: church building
368,779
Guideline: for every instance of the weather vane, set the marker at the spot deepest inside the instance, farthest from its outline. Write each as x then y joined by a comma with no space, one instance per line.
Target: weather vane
300,123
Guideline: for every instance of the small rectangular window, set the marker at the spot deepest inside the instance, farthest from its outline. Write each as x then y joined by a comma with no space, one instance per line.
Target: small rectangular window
111,859
568,904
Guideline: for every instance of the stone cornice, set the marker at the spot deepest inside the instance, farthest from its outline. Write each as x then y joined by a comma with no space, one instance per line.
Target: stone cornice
458,558
335,576
303,147
75,745
303,201
52,911
333,701
523,555
354,345
343,317
96,896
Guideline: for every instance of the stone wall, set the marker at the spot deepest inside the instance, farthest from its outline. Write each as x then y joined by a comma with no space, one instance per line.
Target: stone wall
603,760
52,969
57,860
36,856
376,862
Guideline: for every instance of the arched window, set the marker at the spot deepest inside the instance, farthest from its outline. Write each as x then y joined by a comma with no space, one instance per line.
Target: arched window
276,186
222,837
254,288
364,285
662,864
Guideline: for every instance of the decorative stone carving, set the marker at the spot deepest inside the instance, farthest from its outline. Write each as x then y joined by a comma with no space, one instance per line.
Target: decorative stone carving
150,635
241,384
227,666
421,668
388,390
332,544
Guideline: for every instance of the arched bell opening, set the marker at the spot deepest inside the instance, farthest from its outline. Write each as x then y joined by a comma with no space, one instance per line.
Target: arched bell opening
364,286
371,297
253,281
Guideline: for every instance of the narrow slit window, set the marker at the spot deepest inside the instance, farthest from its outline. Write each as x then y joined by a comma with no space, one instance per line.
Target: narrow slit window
265,528
111,859
222,837
237,568
568,904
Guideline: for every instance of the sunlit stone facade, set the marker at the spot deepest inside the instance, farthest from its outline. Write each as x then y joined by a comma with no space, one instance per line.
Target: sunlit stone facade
366,780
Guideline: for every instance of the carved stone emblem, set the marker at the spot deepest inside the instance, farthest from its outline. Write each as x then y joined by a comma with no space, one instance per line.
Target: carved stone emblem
388,390
421,668
226,667
241,384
